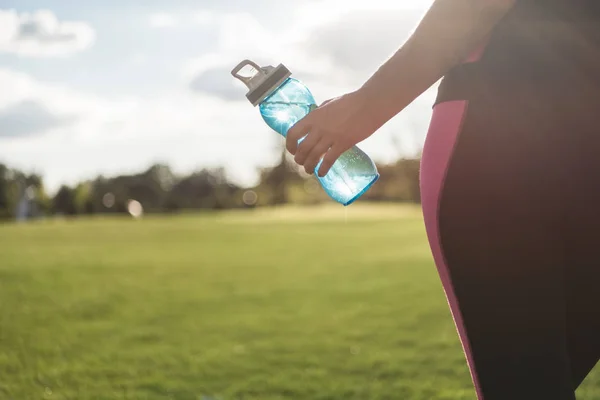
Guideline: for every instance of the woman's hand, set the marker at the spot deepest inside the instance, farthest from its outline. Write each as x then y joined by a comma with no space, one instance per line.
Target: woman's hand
330,130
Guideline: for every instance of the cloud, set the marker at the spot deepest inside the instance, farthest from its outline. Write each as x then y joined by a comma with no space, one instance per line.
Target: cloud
41,34
56,100
190,19
203,17
162,20
112,134
359,41
240,36
333,45
28,118
217,82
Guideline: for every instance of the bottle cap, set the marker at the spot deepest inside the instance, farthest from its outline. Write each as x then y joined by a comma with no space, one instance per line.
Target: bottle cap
261,81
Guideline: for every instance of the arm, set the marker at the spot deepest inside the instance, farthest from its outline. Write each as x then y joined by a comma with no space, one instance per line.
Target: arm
449,31
446,36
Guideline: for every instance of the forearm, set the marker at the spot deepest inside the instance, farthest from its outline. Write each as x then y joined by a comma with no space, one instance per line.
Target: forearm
448,33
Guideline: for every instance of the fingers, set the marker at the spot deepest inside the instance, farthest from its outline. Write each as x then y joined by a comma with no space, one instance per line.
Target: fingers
316,154
330,158
301,129
297,132
306,147
315,144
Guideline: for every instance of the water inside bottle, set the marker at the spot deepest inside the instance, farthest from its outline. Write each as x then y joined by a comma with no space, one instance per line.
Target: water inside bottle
280,116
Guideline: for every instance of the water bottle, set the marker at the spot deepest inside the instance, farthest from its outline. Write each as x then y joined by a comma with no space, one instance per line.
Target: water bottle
283,101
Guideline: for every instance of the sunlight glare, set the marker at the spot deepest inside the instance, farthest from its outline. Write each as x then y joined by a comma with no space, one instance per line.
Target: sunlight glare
281,116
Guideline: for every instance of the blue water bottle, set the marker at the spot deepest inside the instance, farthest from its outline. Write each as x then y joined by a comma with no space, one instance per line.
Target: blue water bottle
283,101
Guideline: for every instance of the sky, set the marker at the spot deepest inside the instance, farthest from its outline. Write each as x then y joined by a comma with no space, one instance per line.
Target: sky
112,86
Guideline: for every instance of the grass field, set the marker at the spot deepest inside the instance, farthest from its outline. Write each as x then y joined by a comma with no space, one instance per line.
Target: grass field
284,304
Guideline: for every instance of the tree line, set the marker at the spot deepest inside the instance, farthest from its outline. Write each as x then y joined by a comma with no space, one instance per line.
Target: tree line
159,190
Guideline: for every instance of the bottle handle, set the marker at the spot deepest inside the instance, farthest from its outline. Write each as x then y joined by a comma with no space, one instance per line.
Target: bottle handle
246,79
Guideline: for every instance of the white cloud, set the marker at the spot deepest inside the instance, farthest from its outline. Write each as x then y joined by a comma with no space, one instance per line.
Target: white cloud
162,20
332,45
28,118
335,43
111,135
41,34
203,17
241,36
360,41
181,19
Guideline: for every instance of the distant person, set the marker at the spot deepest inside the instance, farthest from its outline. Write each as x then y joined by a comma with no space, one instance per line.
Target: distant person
510,179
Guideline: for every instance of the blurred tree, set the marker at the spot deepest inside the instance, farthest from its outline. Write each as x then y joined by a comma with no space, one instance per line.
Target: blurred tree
4,192
158,189
276,181
41,201
64,201
206,189
82,198
398,182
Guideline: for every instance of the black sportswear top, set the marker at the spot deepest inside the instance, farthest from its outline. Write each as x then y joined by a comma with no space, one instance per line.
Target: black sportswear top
539,45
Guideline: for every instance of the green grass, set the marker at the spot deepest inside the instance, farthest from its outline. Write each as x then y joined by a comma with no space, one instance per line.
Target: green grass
283,304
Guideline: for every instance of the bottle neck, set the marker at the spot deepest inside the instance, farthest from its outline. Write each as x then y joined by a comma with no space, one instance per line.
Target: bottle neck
270,85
